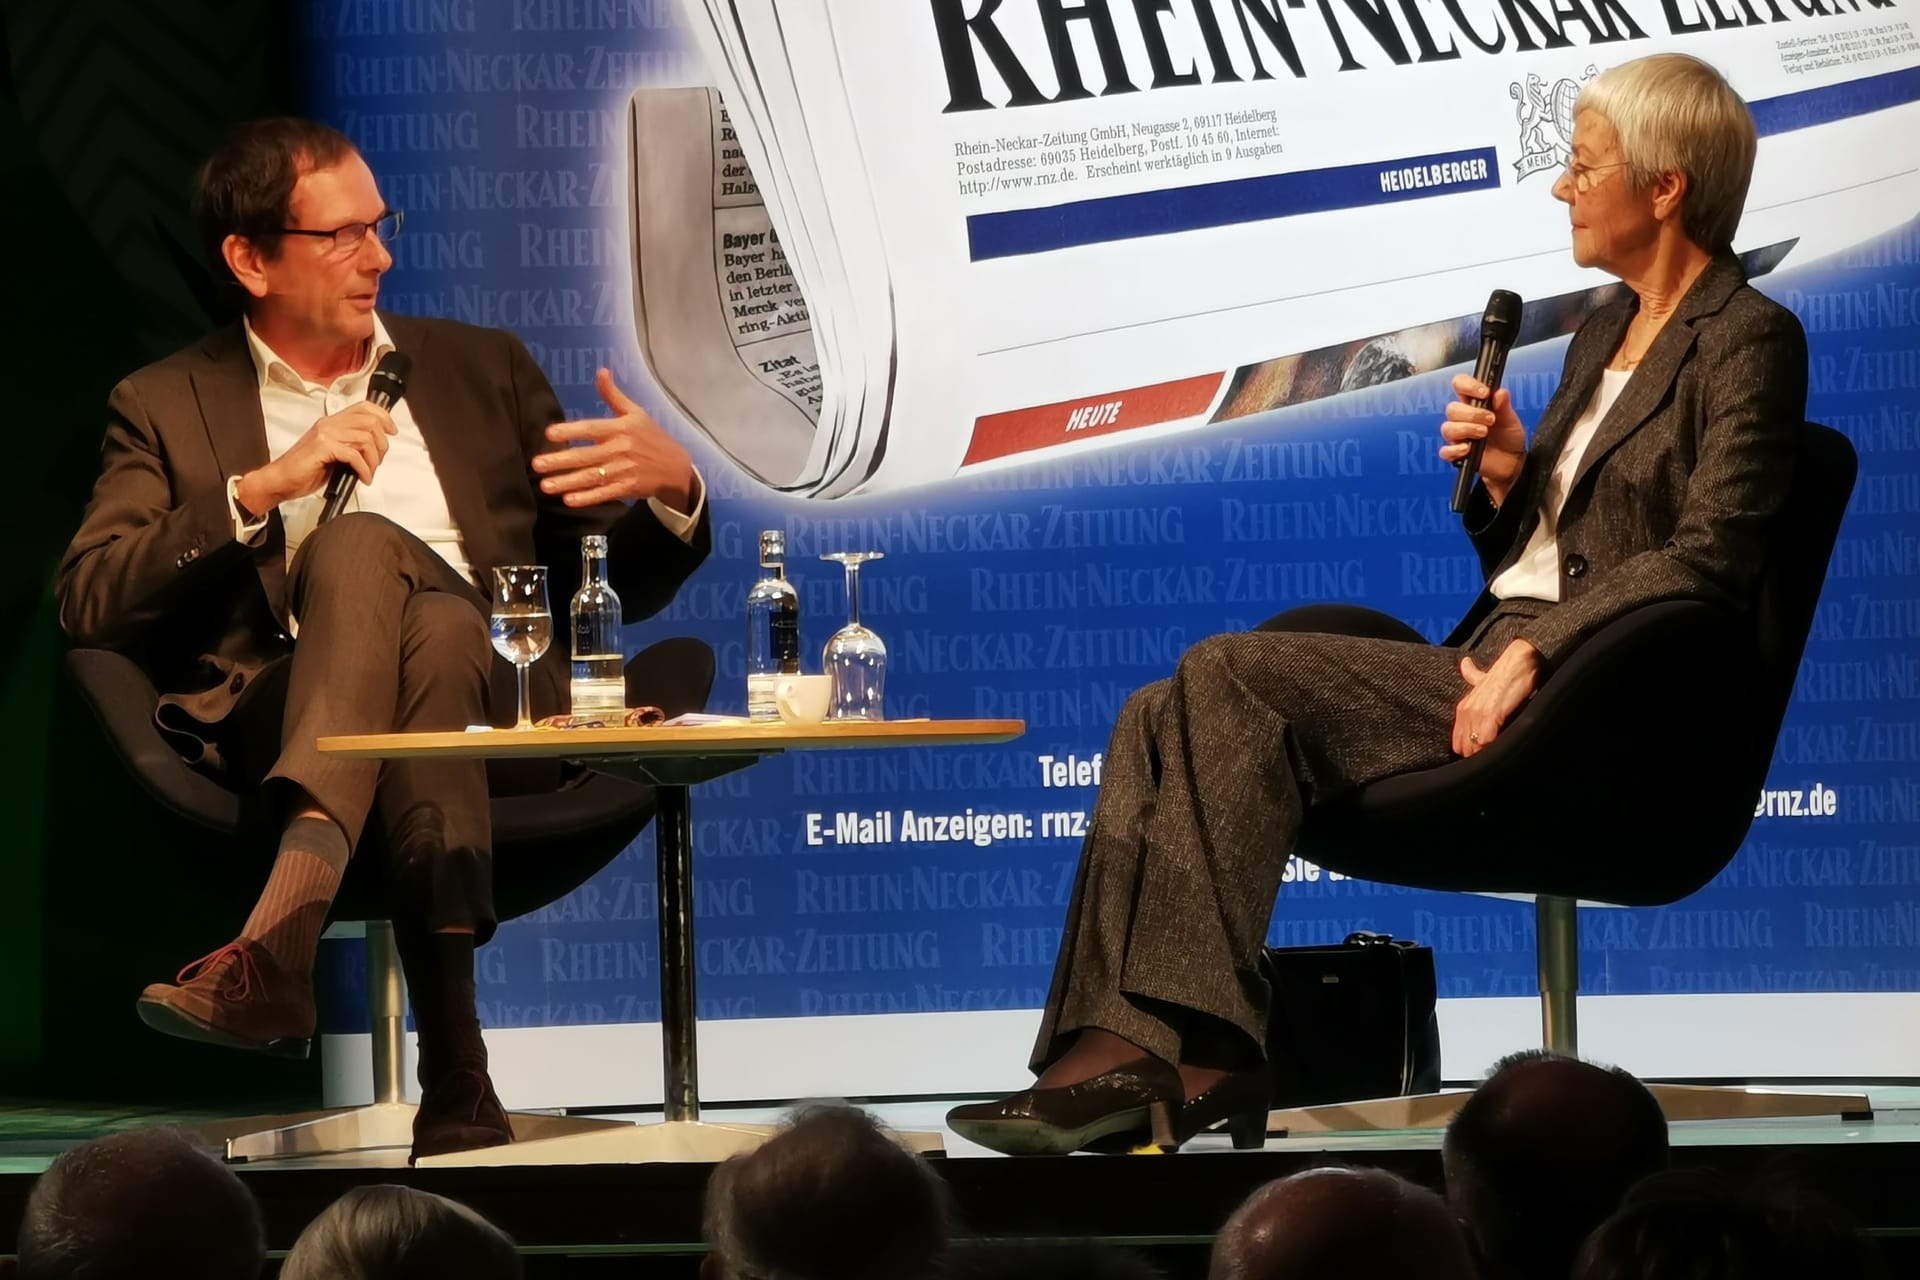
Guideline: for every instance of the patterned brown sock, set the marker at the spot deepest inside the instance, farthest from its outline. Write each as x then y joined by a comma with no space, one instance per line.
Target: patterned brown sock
292,910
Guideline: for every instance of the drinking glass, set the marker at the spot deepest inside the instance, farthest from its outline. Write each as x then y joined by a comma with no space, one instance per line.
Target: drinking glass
522,623
855,657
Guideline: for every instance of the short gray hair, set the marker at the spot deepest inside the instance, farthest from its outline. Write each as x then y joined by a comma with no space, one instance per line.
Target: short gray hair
1675,113
142,1203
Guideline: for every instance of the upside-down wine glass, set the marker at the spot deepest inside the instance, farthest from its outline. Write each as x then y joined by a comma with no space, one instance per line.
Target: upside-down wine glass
522,623
855,658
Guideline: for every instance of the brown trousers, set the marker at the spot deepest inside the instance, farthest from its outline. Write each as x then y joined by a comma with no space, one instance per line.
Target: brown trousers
1206,781
391,639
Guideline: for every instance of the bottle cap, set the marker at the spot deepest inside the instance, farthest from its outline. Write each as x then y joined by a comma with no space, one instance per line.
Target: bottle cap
594,542
773,545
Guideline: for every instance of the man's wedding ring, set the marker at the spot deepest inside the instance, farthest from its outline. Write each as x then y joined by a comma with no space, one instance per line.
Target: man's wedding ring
603,474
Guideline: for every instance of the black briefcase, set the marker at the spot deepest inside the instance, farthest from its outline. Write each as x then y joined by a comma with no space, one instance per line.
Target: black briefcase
1353,1021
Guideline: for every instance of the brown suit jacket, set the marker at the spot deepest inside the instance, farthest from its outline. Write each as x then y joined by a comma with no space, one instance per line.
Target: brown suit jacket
156,572
1674,495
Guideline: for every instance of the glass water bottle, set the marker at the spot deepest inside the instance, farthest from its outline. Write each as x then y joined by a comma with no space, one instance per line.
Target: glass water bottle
599,677
773,628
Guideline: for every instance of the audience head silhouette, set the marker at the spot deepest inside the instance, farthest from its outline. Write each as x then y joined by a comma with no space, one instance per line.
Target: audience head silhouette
152,1202
1695,1225
830,1197
1542,1153
1338,1224
398,1233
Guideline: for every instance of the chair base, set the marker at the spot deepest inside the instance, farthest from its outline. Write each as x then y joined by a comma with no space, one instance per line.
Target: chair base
657,1142
380,1126
1734,1102
1679,1102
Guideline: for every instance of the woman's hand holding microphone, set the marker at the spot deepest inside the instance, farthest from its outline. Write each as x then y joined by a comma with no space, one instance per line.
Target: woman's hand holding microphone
1499,426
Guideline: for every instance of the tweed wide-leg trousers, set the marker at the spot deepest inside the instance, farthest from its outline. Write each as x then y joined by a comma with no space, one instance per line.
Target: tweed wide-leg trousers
1206,781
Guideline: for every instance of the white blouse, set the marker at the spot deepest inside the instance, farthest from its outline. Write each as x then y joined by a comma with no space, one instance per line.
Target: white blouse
1536,574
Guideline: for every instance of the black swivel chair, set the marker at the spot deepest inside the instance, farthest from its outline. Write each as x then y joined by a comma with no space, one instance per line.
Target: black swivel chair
545,845
1630,779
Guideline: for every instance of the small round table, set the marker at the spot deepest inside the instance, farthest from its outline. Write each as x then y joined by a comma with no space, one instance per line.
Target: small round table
672,758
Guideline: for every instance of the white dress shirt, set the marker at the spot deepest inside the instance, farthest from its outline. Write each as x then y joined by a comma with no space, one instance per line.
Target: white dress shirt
1536,574
406,489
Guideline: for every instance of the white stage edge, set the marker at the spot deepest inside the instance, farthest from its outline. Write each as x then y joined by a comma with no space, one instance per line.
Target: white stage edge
1850,1036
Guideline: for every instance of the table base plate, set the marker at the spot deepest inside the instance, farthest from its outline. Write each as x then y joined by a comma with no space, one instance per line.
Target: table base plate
665,1141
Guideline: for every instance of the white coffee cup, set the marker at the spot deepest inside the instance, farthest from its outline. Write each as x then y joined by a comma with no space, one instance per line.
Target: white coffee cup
803,699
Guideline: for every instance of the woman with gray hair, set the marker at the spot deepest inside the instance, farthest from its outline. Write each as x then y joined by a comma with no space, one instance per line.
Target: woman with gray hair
1654,474
392,1232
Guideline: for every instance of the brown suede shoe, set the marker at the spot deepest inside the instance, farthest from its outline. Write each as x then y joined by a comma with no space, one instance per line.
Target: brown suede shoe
239,998
459,1112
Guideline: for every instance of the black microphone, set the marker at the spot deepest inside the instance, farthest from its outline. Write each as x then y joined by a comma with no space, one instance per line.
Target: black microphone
385,386
1498,327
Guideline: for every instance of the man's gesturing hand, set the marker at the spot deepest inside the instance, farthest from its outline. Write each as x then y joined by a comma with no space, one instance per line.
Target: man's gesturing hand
625,458
1496,694
356,436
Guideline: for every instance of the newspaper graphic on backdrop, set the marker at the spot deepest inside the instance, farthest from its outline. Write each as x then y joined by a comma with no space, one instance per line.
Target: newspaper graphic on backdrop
925,238
721,318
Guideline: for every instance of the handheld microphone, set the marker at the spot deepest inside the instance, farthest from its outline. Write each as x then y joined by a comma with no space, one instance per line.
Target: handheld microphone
1498,327
385,386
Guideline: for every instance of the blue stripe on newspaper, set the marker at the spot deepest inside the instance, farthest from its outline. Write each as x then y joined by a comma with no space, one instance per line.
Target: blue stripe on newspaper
1809,107
1217,204
1221,204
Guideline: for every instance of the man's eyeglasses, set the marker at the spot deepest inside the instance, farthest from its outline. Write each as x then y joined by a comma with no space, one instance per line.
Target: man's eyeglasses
1582,174
349,236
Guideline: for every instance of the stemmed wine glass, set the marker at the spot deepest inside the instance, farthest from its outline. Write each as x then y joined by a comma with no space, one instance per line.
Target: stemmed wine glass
855,658
522,623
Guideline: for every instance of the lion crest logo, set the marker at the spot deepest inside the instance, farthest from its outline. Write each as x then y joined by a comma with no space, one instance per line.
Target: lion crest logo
1545,115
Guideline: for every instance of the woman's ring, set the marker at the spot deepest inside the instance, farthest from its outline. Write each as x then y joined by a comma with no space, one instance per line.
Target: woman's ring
603,474
1473,737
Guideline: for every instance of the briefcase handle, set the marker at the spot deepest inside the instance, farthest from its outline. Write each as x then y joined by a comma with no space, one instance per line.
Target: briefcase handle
1368,938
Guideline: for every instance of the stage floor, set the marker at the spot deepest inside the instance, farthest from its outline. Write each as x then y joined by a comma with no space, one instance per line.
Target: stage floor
649,1215
32,1133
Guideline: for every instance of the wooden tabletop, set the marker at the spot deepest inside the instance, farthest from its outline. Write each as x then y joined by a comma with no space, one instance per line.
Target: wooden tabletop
674,740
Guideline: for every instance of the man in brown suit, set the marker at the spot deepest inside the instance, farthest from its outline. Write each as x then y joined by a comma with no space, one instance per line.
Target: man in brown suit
201,553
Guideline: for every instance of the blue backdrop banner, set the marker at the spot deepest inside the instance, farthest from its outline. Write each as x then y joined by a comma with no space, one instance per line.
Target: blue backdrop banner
1050,591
